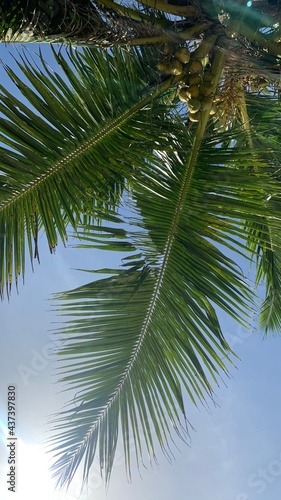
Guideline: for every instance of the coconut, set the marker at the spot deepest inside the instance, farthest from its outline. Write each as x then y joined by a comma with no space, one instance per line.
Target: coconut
195,117
205,88
194,105
176,67
183,55
195,80
183,94
164,68
173,68
213,109
196,67
193,91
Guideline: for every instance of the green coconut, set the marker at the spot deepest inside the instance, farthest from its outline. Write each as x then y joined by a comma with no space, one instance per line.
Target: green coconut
183,94
193,91
195,117
183,55
196,67
164,68
176,67
194,105
195,80
205,89
173,68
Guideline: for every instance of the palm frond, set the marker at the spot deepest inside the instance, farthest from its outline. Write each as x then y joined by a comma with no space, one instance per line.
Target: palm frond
264,236
149,332
73,146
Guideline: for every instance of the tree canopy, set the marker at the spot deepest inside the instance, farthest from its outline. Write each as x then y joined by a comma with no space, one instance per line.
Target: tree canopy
168,152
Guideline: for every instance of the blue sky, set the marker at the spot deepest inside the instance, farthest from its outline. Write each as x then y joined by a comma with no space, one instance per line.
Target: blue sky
235,452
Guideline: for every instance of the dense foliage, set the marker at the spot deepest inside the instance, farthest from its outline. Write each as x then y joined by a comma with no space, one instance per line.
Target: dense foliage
169,154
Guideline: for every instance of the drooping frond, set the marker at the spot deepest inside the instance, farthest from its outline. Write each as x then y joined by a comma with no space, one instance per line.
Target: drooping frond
142,337
264,114
73,146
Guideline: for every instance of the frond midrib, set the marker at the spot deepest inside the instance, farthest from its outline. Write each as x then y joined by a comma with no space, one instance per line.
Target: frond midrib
186,182
79,151
190,166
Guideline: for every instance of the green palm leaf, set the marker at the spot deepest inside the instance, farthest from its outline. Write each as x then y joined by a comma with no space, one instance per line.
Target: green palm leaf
59,157
264,236
149,332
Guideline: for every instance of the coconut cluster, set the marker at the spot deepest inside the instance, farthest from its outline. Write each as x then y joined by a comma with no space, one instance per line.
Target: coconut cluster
173,61
197,91
196,87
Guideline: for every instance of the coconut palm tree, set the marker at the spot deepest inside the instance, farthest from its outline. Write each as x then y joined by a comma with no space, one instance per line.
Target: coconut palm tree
187,137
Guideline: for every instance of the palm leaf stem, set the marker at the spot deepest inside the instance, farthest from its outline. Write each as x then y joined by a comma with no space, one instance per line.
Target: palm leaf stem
171,36
76,42
176,10
242,106
136,15
166,36
152,40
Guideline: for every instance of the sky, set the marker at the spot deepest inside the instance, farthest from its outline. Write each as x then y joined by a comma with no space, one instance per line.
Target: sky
234,451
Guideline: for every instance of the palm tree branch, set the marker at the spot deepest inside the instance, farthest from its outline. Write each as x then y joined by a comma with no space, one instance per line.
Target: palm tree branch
263,242
57,143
